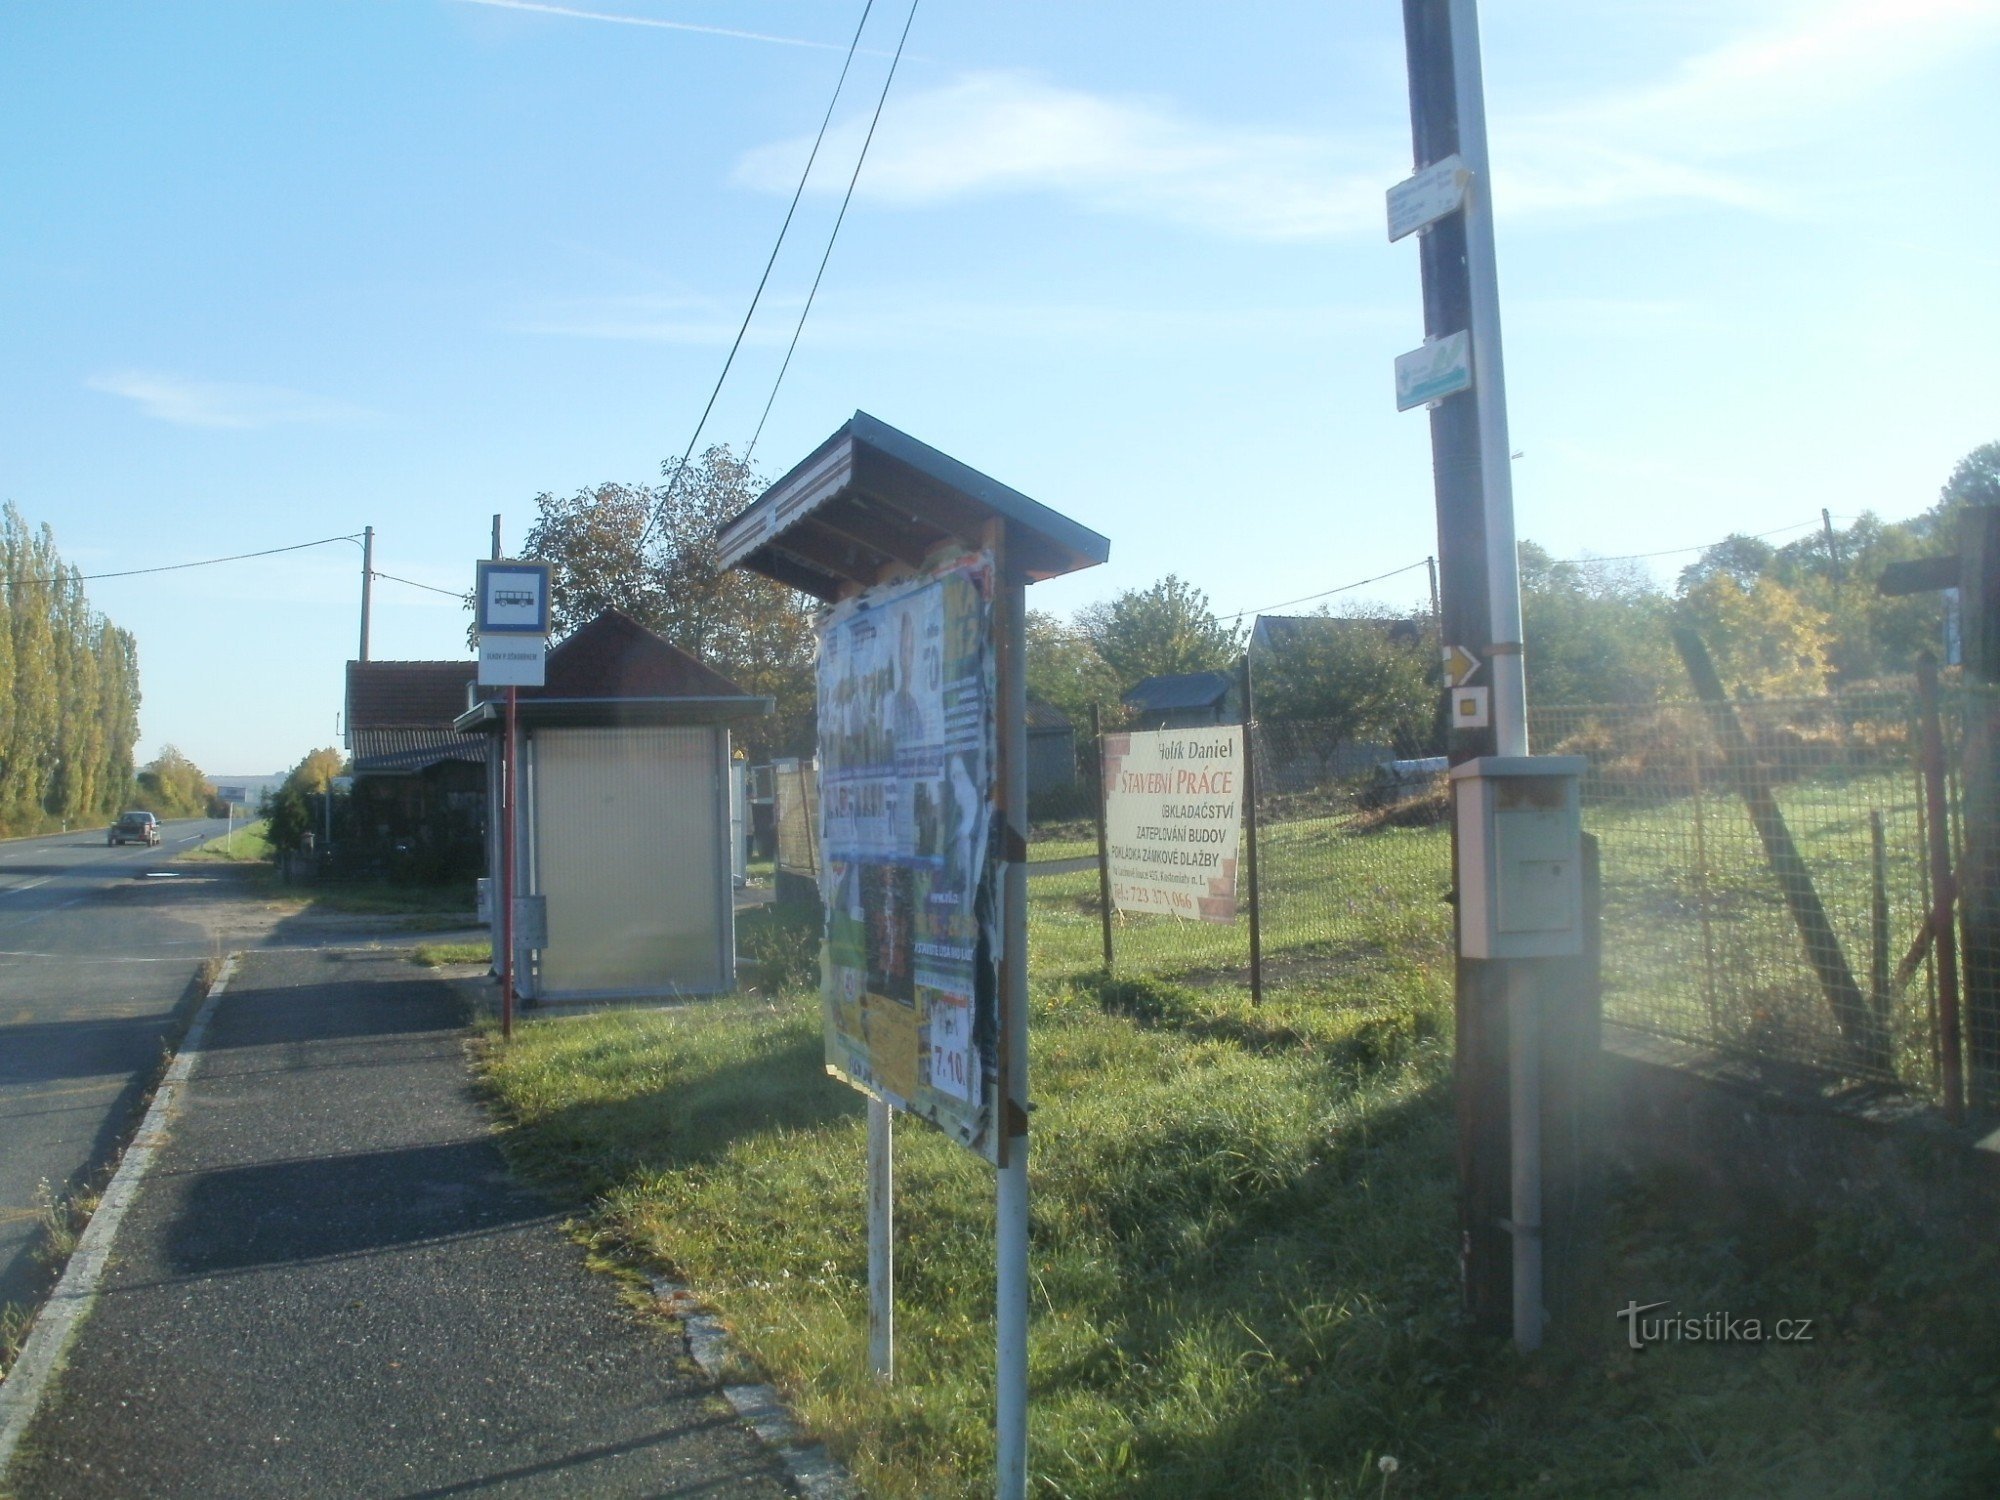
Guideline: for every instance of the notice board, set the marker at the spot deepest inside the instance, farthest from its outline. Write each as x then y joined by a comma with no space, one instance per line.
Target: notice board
1173,814
907,750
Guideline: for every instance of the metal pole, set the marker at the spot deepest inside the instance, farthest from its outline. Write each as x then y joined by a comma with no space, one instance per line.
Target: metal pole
496,539
507,874
1524,1098
1103,842
881,1240
1503,574
1250,834
367,582
1011,1374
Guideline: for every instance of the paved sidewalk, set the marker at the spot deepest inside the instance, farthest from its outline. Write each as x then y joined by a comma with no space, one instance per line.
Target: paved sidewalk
328,1285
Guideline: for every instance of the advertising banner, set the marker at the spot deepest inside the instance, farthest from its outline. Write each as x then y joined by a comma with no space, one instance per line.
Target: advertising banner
1173,810
907,752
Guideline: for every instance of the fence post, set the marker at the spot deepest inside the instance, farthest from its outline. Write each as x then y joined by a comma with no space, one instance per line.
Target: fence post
1103,847
1951,1063
1250,835
1702,886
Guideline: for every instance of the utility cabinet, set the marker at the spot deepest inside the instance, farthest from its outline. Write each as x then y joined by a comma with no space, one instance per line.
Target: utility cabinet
1520,856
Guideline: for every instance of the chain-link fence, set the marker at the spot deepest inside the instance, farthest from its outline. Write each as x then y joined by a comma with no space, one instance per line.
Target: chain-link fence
1776,878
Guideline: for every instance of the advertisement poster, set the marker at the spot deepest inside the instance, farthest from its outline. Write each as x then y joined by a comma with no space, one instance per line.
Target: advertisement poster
1173,809
907,751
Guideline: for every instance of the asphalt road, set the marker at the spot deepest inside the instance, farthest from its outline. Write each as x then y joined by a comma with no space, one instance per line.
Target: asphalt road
329,1285
92,975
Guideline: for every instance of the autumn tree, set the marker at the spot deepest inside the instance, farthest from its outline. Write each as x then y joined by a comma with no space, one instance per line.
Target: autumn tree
174,786
1765,640
651,551
1594,632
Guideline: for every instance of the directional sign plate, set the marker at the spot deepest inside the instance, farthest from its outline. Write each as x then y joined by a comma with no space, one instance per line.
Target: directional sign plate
1420,201
1460,665
1441,368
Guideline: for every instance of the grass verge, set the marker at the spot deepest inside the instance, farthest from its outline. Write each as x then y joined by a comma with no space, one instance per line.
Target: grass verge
440,955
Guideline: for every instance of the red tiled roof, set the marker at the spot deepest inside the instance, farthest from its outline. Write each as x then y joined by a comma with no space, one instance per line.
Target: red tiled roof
406,694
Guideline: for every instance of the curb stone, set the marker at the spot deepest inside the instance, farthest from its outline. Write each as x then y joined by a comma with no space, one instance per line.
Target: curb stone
818,1475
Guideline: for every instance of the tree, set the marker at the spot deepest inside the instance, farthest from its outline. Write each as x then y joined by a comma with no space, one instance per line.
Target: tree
652,552
1356,678
1766,641
1743,558
1065,671
175,785
1594,632
1166,629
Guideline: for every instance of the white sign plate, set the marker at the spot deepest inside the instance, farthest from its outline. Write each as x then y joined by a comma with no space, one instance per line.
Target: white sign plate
1173,808
512,660
1468,708
1420,201
1439,369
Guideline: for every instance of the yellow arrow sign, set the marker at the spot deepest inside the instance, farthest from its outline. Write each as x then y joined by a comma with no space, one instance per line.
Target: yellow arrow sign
1459,666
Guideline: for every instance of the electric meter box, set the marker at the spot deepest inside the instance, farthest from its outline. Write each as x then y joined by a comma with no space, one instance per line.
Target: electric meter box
1520,856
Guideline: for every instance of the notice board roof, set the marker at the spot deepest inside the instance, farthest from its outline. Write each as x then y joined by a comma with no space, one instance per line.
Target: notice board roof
872,500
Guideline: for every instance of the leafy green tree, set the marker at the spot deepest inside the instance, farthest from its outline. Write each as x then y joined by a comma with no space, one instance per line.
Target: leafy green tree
1159,631
1594,633
315,773
1065,671
1356,677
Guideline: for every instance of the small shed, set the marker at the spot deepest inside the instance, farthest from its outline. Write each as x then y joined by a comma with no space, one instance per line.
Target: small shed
418,808
622,844
1185,700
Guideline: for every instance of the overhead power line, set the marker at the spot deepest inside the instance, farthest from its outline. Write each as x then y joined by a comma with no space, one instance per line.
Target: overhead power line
772,260
839,218
458,594
1702,547
1345,588
206,562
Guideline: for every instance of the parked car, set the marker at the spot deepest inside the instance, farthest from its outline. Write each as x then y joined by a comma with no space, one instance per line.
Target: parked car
134,828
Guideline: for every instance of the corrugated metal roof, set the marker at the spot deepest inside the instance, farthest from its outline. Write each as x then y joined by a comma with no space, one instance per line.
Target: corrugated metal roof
404,752
1180,690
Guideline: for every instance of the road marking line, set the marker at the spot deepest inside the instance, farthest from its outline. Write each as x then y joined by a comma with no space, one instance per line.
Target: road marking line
41,1355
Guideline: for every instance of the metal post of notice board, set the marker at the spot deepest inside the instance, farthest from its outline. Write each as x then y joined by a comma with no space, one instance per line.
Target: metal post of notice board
1011,1233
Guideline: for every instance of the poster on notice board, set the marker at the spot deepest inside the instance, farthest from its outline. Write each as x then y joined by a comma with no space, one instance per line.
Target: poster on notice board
907,751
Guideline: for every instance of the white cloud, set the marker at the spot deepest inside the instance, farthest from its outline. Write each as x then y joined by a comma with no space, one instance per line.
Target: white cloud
613,18
995,132
223,404
1697,135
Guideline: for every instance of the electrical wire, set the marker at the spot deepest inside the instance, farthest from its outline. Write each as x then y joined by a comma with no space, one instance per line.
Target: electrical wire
834,234
458,594
1345,588
756,296
207,562
1703,547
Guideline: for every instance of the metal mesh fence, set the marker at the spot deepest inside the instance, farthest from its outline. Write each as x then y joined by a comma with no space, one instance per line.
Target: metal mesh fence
1769,878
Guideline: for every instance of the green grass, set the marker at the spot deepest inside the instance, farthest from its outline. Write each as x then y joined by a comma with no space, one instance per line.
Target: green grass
247,845
1244,1276
439,955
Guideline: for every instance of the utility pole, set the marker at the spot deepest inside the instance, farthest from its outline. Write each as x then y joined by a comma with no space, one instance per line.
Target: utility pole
1832,546
367,583
497,554
1459,375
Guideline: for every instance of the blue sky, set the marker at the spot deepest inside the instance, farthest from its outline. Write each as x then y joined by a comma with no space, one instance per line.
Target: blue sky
276,271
